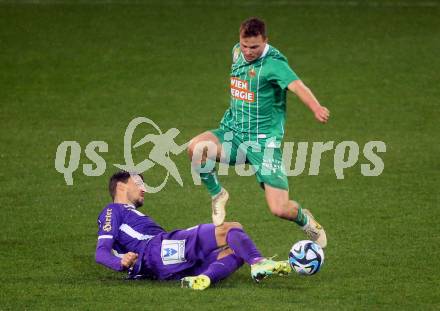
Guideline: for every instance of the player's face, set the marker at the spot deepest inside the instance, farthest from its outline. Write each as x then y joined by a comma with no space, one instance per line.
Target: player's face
252,47
136,190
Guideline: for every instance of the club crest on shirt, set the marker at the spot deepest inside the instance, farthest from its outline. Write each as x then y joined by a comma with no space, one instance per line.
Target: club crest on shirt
173,252
236,54
252,72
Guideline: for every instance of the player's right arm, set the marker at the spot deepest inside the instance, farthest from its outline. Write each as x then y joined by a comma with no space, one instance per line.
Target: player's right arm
108,227
129,259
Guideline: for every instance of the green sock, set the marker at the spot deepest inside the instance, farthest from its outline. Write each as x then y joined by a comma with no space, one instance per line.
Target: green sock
301,218
209,179
211,182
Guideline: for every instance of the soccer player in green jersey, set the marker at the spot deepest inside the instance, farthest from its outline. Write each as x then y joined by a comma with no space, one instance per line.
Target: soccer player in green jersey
253,126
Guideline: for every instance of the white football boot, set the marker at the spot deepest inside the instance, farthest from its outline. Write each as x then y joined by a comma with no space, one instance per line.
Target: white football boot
218,207
314,230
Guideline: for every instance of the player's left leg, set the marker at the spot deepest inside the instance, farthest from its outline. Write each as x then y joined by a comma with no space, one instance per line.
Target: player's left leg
243,246
281,206
210,238
241,249
233,235
271,174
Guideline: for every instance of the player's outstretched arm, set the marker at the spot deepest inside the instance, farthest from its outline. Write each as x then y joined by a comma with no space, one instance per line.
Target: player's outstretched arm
104,256
321,113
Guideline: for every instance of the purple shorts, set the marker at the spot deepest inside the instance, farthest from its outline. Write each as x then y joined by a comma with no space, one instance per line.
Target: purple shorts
181,253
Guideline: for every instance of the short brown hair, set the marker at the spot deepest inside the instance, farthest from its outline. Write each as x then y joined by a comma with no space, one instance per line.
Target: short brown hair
253,27
121,176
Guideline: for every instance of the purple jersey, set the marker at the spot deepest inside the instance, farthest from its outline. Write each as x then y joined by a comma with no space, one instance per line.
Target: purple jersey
179,253
162,255
123,229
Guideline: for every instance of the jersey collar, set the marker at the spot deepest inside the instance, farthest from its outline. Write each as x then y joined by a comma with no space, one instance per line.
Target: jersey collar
129,206
266,49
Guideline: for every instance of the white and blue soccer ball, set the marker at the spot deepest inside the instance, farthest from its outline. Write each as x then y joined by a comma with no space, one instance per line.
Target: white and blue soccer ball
306,257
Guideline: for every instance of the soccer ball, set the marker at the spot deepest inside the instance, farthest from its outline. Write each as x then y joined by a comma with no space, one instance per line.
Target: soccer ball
306,257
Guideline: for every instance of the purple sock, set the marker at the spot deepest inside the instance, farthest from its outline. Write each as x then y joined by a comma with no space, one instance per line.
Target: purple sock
243,246
222,268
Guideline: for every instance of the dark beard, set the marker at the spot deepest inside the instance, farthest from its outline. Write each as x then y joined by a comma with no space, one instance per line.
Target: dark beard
138,203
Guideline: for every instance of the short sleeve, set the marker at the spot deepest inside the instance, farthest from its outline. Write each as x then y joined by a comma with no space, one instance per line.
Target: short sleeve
281,73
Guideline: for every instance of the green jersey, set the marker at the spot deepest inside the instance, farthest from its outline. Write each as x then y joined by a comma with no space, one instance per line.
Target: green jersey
258,95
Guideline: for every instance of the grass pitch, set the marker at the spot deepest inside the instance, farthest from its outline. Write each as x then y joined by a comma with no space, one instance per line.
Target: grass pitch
83,71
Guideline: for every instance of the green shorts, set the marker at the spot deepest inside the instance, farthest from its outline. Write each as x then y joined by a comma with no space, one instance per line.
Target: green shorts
264,156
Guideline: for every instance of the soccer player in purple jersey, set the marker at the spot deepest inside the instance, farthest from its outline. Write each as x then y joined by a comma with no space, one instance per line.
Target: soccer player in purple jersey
198,256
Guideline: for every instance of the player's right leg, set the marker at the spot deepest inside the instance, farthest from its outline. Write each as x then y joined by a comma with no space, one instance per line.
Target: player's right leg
204,151
213,270
198,282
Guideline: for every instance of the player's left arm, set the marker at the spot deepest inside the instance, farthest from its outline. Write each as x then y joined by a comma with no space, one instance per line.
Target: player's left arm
321,113
281,73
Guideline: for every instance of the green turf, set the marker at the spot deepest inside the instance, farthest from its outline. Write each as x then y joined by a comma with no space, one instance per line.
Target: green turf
82,72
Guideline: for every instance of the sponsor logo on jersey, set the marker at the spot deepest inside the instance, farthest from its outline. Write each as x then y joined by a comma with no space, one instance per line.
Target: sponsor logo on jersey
108,221
240,90
173,252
